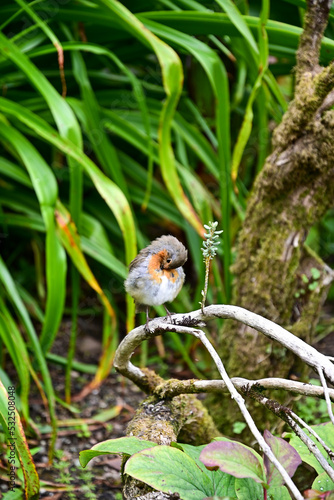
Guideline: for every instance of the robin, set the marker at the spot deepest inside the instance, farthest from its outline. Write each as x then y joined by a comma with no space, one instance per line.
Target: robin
156,275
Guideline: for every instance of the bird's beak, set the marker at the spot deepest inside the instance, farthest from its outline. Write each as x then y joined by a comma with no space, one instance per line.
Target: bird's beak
178,262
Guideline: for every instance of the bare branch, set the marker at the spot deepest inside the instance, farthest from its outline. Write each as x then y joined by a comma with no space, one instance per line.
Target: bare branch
185,324
234,393
275,332
241,403
327,398
312,431
247,416
174,387
286,415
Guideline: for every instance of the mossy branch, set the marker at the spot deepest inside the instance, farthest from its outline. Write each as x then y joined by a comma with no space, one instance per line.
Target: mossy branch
315,22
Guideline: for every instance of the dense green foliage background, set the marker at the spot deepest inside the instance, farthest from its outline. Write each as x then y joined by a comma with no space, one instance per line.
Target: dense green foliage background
120,122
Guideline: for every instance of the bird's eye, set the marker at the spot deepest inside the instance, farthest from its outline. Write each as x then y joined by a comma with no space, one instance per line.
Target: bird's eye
169,261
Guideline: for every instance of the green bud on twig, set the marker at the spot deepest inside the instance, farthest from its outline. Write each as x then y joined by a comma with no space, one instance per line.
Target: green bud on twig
209,250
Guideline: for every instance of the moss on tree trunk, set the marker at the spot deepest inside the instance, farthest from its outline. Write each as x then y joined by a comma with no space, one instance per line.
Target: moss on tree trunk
292,192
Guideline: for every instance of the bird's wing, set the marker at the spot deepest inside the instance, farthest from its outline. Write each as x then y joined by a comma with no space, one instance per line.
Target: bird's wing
145,252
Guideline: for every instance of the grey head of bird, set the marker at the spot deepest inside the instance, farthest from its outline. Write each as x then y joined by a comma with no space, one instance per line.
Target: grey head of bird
173,252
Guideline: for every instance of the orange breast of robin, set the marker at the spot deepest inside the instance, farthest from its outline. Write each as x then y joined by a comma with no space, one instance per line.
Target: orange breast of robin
155,271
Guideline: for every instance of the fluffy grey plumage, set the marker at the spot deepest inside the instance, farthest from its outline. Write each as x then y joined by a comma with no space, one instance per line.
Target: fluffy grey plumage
156,275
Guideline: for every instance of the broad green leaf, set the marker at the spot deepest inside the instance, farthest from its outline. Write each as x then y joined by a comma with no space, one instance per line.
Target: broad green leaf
127,445
170,470
235,459
285,454
248,489
323,483
224,484
278,493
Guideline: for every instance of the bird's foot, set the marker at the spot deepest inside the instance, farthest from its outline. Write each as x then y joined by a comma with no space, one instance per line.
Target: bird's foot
148,319
147,328
169,315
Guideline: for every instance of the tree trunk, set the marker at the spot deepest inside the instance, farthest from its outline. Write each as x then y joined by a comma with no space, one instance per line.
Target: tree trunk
274,271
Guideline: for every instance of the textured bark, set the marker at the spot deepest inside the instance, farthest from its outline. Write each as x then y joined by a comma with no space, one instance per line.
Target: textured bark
292,192
182,418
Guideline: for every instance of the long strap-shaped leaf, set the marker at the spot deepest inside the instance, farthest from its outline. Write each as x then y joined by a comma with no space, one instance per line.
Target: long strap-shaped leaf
47,194
68,127
17,349
216,23
46,190
217,76
61,111
108,190
237,19
71,241
247,123
18,442
172,75
22,312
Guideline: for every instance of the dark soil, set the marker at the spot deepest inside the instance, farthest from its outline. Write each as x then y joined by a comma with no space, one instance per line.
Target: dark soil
106,481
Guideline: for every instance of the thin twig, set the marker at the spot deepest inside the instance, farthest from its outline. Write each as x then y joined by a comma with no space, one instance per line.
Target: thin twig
206,283
241,403
327,398
285,414
314,434
162,326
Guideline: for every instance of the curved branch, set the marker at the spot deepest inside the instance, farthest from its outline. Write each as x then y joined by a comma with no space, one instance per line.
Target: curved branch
275,332
174,387
234,393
